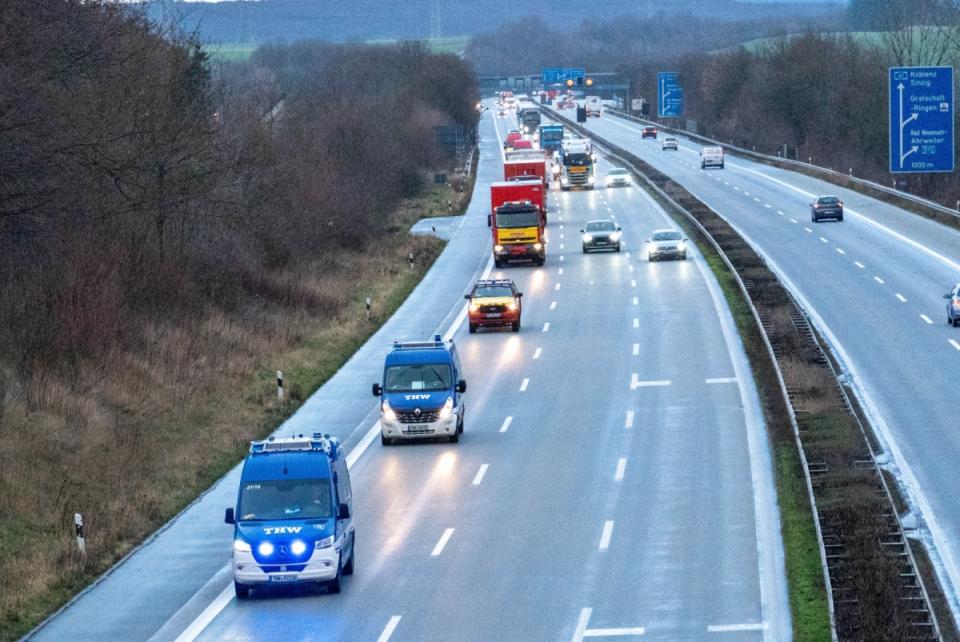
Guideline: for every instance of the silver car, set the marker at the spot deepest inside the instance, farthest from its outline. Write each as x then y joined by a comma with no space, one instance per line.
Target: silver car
669,143
668,244
618,177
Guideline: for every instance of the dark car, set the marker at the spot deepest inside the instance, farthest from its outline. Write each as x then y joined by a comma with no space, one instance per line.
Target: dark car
953,305
826,207
648,132
494,302
601,235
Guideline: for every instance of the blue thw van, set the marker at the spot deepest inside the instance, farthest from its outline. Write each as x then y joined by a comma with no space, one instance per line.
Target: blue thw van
422,391
293,515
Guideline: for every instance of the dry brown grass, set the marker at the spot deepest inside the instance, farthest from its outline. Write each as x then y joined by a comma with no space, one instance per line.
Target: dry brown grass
118,441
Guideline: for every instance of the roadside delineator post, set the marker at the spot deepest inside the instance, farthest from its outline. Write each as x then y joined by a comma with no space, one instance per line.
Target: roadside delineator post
369,308
280,385
411,260
78,528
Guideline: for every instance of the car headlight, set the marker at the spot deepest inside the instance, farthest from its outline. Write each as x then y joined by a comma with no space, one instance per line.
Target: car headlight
447,408
590,180
498,248
681,246
512,306
587,238
615,236
297,547
326,542
474,307
538,246
388,412
240,546
265,549
565,181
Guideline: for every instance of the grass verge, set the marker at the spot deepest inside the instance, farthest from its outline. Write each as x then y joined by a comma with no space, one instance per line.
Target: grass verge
124,449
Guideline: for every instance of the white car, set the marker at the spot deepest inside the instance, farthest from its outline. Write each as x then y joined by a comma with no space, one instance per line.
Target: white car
669,143
618,177
666,244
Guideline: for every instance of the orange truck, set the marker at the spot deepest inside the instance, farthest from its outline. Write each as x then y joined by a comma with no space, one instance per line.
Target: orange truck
518,222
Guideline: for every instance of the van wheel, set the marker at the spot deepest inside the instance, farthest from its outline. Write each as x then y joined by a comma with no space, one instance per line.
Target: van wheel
384,440
515,326
473,328
348,567
242,590
334,585
455,437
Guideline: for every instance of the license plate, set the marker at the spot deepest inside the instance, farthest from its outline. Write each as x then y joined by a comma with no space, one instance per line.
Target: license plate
415,427
493,315
288,577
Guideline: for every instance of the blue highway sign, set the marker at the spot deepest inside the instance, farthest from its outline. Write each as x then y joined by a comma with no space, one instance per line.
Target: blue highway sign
669,95
560,75
921,119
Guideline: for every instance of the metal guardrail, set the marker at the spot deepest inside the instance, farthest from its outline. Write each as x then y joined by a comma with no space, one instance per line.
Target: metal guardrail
828,174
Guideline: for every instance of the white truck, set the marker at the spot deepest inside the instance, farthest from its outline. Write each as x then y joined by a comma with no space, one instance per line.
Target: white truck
593,105
711,157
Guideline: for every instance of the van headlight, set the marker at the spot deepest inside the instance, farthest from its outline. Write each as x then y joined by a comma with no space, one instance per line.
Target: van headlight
240,546
447,408
326,542
681,246
498,248
538,246
388,412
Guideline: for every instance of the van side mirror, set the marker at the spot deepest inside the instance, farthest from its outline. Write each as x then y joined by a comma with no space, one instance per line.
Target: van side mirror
344,512
947,296
489,220
583,231
228,516
467,296
519,295
461,386
377,390
619,229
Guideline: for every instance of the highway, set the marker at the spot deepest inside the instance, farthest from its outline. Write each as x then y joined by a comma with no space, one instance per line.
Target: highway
873,284
613,480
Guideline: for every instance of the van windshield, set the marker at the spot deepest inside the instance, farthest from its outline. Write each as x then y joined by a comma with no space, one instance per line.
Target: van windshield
419,376
285,499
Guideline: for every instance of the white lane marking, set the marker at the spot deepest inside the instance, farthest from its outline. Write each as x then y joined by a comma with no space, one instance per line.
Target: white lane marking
557,287
561,226
537,353
628,422
824,240
206,617
732,628
627,254
561,246
621,469
553,305
480,473
723,380
559,270
443,542
636,383
630,266
900,297
389,629
581,629
506,423
746,193
756,199
618,631
636,301
878,280
793,220
606,535
368,438
559,218
808,230
736,188
859,265
546,326
561,257
954,343
768,206
636,323
780,212
633,283
561,235
926,318
840,251
524,384
727,183
636,349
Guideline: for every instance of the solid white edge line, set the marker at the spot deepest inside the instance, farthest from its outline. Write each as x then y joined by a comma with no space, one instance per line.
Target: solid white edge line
582,622
442,542
207,615
722,380
480,474
389,629
606,535
506,423
621,469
